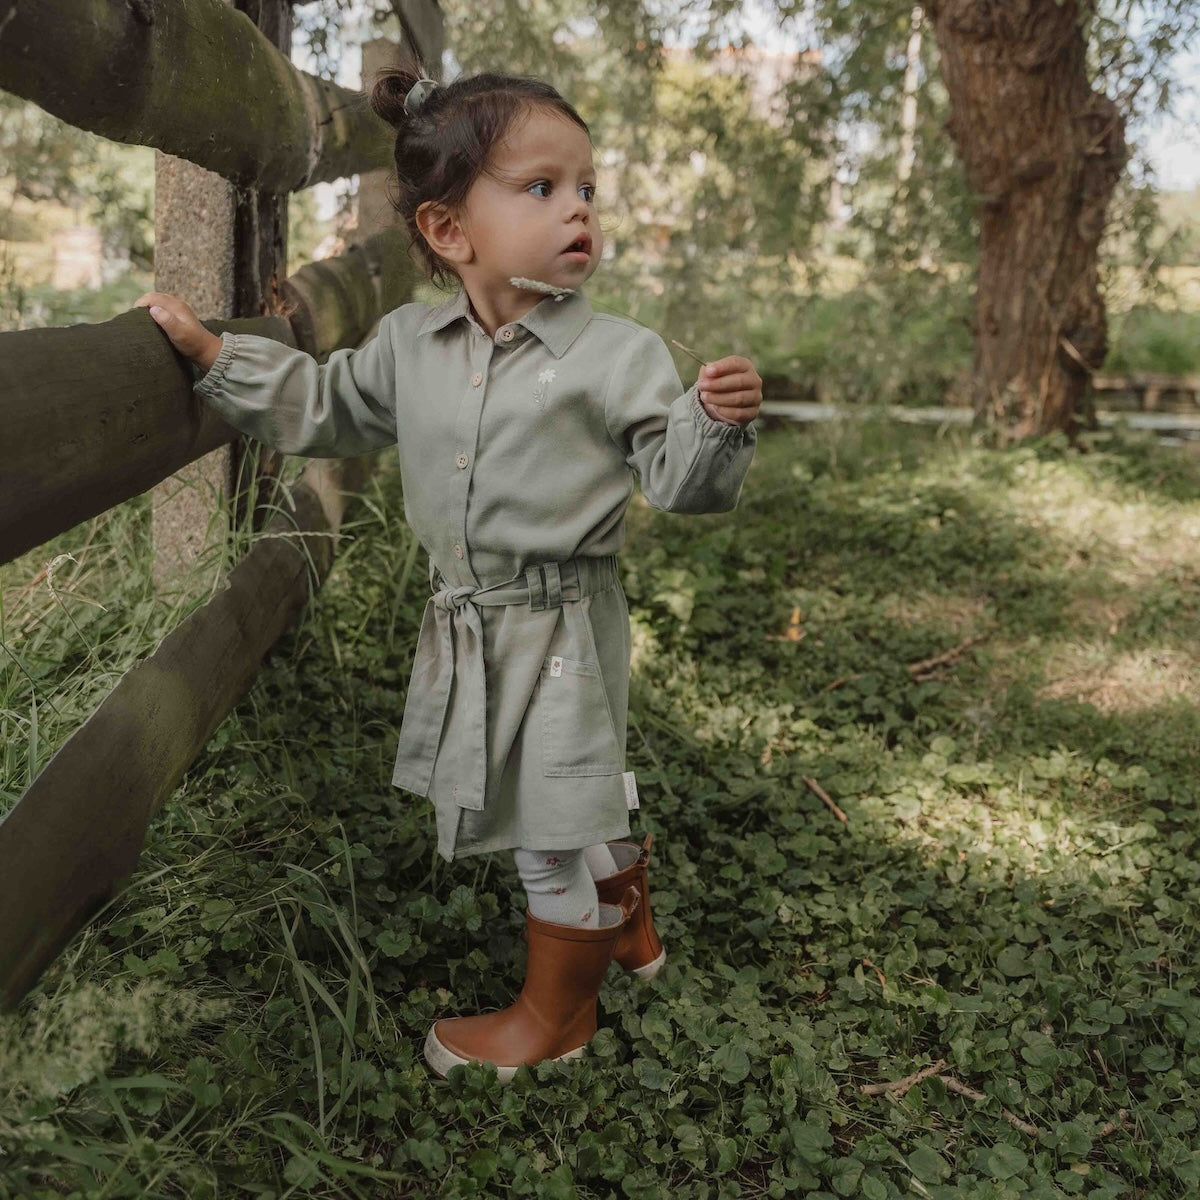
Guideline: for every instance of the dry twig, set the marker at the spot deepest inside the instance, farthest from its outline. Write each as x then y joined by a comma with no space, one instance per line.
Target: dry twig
925,669
841,682
899,1086
822,795
953,1085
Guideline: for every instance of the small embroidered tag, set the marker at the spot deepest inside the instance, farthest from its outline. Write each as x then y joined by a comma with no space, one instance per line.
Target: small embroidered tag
631,796
555,667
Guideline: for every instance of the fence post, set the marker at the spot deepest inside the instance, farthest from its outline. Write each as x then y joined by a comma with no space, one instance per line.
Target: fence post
224,251
193,259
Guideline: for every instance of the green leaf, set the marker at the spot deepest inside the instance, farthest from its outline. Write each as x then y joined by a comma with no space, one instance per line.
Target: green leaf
1158,1058
811,1141
1003,1161
483,1164
1011,961
928,1165
732,1061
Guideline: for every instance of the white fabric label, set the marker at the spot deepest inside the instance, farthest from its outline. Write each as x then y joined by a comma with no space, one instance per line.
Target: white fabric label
631,796
555,667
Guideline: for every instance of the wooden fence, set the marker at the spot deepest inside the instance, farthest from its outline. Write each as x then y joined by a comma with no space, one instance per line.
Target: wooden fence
93,415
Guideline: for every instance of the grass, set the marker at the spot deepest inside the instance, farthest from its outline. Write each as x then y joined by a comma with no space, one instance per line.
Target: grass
1014,892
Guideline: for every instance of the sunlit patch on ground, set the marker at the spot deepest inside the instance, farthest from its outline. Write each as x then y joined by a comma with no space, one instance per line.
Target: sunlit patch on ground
1094,673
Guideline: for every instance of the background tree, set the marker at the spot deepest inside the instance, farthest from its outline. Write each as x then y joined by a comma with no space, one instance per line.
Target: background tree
1036,95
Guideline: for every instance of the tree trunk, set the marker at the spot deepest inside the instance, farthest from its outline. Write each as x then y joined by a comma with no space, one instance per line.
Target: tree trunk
1043,153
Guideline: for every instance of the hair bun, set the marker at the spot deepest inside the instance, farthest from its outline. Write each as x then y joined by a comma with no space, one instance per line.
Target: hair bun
391,89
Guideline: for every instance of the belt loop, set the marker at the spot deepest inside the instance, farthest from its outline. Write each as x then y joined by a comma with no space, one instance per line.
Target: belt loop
554,597
537,593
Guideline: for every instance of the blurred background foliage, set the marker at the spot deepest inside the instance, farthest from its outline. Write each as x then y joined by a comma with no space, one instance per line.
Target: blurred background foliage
774,179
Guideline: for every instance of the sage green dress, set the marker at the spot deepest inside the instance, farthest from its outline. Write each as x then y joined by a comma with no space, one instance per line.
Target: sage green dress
518,454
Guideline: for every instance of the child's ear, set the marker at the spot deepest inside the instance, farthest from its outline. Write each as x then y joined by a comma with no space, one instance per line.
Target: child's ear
442,229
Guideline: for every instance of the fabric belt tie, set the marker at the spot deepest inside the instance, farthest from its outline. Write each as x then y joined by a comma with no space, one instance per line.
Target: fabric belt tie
450,653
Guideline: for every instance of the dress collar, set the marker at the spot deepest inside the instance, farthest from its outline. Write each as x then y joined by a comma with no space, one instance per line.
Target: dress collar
555,323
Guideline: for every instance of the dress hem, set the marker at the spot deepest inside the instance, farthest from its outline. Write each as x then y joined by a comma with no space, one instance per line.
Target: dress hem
494,845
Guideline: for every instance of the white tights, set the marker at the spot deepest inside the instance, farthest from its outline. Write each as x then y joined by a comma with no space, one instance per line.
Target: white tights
560,884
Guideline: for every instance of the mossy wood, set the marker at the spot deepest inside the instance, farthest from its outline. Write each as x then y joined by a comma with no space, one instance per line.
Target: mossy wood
75,836
194,78
95,414
335,302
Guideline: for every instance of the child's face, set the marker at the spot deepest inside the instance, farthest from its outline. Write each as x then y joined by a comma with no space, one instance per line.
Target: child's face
532,212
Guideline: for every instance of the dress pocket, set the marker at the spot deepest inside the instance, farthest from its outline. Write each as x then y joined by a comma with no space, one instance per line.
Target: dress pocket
577,728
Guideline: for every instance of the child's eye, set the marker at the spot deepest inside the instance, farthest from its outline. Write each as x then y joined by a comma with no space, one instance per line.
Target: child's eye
588,192
540,189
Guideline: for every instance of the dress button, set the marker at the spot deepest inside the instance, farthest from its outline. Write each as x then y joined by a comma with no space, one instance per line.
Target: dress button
507,335
458,550
477,379
462,460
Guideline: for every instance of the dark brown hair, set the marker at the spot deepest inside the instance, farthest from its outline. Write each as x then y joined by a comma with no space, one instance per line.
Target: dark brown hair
444,146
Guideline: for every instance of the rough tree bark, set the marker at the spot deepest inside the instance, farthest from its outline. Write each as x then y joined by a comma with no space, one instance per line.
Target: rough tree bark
1043,152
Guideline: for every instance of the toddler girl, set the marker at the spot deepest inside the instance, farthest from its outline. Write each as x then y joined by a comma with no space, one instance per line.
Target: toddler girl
521,417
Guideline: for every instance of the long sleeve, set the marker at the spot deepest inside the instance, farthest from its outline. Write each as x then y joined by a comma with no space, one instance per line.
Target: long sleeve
686,461
282,397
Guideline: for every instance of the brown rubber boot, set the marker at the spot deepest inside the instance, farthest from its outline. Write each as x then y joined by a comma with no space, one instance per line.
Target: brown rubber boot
638,948
555,1015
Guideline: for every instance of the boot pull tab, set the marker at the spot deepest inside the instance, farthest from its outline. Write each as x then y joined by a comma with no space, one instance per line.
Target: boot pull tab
644,856
630,902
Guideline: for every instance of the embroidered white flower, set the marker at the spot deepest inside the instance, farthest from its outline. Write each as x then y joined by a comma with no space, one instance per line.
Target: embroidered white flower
545,379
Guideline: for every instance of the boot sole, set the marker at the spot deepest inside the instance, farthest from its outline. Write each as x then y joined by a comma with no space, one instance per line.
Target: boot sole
440,1058
651,968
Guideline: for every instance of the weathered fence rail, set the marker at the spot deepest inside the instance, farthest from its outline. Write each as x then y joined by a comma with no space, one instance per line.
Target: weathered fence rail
76,833
96,414
159,73
1149,391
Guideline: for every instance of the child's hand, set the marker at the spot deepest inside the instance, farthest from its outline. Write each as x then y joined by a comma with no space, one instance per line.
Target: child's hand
183,327
731,390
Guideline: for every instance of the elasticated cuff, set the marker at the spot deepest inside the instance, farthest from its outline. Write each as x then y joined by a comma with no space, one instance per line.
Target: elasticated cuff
215,375
710,426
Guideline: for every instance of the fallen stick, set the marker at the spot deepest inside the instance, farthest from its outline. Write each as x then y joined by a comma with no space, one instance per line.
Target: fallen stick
953,1085
921,670
837,683
899,1086
821,794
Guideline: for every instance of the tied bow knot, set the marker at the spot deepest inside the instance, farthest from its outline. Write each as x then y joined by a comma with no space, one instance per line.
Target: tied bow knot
453,599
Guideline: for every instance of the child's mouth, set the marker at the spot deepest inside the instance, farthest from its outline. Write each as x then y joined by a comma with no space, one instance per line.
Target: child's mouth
580,249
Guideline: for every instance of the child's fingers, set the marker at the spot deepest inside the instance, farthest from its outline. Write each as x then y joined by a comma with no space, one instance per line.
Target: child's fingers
160,300
741,381
746,398
729,365
740,413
